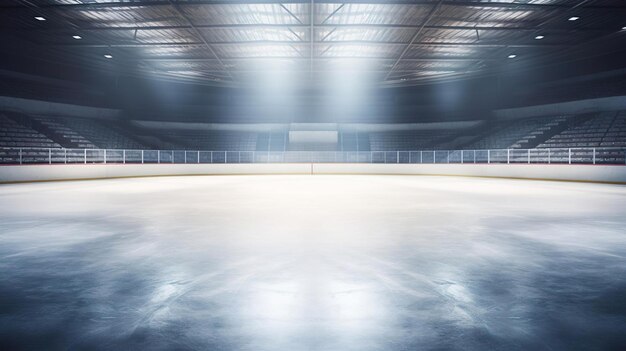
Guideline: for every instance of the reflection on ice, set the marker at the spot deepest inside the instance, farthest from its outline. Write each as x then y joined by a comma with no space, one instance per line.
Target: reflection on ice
312,263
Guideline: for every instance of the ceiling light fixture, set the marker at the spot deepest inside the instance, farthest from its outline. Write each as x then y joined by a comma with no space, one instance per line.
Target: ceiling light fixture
77,37
574,18
39,18
512,56
539,37
108,56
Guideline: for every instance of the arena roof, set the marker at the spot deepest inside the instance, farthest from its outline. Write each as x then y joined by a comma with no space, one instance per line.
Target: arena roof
399,42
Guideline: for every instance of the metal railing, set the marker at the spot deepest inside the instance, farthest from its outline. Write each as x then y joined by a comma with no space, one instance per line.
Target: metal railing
492,156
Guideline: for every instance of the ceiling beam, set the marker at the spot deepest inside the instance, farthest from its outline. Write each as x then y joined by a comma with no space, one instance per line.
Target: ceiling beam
323,26
182,69
199,33
429,17
328,42
229,60
332,14
495,4
200,36
291,13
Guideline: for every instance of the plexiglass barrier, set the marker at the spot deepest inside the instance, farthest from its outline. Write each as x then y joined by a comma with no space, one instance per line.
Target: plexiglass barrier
25,156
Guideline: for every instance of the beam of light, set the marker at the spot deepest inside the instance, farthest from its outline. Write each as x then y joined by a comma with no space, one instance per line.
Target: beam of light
271,87
347,89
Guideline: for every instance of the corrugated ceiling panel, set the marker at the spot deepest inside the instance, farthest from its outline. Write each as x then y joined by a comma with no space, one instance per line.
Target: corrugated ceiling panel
397,35
255,34
260,50
377,14
246,14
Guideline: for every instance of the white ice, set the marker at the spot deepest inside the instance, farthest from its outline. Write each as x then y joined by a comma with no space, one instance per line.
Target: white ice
312,263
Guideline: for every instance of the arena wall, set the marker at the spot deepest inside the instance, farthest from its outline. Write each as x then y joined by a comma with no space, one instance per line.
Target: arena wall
587,173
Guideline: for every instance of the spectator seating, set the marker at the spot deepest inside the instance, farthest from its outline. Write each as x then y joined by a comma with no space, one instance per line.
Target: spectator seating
68,137
102,134
599,130
13,134
16,135
516,134
616,134
354,141
607,129
409,140
213,140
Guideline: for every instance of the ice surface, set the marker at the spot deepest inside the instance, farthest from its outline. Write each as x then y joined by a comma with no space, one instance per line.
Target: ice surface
312,263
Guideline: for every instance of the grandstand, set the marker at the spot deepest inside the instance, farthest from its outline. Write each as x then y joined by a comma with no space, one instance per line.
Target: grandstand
598,130
320,175
214,141
392,141
15,134
103,135
353,141
586,130
519,134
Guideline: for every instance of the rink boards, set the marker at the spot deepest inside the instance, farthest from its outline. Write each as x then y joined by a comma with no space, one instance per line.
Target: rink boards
586,173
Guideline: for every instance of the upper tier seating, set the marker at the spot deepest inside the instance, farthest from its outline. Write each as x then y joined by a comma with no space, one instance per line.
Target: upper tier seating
101,133
607,129
13,134
516,134
68,137
616,135
86,133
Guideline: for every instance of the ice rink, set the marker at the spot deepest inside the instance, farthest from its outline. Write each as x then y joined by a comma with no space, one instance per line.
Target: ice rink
312,263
